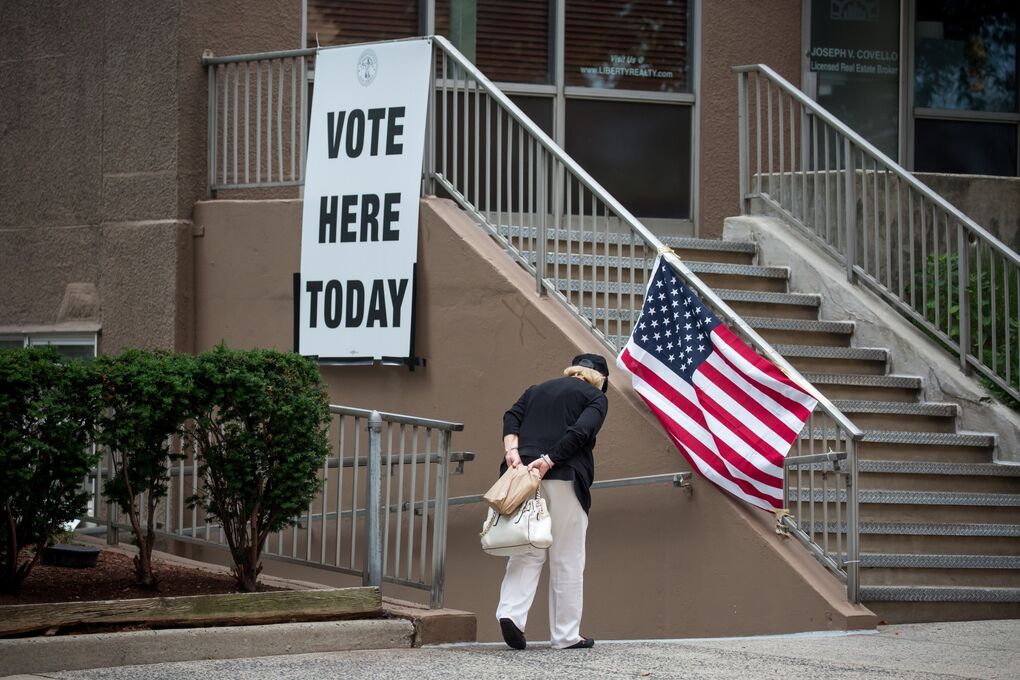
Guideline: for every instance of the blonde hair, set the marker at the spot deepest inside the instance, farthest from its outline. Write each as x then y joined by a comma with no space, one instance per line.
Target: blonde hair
589,375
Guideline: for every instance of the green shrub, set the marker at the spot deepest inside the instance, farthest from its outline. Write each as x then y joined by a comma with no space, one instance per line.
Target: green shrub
261,433
146,399
991,322
47,411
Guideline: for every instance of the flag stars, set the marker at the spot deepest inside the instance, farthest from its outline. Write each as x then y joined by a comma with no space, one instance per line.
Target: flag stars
687,315
654,323
656,336
658,283
701,348
672,357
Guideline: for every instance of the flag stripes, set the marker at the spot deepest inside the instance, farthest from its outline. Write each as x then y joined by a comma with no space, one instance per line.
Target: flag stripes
730,412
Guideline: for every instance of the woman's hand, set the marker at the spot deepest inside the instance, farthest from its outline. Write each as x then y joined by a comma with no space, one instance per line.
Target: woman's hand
513,457
542,465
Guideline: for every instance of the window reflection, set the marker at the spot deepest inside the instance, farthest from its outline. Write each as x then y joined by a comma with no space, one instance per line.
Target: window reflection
343,22
966,55
638,45
508,41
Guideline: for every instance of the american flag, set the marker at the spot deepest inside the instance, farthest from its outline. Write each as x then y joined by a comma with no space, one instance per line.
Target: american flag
731,412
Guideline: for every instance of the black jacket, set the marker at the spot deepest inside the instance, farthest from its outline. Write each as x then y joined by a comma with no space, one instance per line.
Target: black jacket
560,417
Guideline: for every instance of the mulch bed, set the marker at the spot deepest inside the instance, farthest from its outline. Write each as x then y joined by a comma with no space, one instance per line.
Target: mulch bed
113,579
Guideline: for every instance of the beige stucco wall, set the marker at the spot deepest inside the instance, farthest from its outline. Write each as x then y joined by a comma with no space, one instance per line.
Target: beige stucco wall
662,562
992,202
102,152
734,33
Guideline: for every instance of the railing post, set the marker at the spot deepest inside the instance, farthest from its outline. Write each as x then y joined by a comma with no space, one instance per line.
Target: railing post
373,535
853,555
304,121
540,206
440,522
429,185
211,136
850,195
963,299
742,140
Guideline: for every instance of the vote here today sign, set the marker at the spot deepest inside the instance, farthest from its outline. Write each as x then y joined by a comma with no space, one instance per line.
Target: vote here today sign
359,229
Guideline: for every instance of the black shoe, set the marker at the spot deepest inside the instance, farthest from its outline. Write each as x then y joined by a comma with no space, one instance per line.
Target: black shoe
585,643
512,635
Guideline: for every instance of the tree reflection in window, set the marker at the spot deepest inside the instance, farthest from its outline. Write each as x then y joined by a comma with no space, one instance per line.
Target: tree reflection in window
966,55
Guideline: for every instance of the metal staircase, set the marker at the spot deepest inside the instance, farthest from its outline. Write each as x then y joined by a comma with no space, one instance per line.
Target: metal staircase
939,522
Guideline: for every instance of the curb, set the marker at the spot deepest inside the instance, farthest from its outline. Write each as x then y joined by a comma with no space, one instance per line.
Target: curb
103,650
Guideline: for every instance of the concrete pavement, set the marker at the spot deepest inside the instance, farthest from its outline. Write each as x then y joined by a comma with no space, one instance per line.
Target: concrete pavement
983,649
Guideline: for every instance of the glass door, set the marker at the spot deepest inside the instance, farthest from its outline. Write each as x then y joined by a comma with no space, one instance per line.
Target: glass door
853,59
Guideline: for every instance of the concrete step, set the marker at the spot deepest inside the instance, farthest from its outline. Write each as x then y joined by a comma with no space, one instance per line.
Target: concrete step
889,505
908,446
900,416
939,476
831,334
934,537
846,386
802,331
943,569
909,604
945,594
743,302
928,561
836,360
635,270
598,241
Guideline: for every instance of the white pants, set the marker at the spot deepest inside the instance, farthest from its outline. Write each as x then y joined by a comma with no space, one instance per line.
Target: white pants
566,570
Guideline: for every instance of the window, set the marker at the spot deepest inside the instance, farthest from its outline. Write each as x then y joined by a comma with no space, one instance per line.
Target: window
344,22
640,45
79,346
966,55
640,152
508,41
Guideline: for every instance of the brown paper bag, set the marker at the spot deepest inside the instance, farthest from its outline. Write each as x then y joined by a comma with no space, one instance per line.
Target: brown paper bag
515,486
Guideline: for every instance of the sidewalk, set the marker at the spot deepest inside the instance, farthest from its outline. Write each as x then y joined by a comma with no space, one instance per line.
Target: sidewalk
982,649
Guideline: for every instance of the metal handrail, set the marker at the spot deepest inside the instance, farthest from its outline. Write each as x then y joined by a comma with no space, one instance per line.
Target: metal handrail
398,418
706,293
966,277
902,172
677,479
379,461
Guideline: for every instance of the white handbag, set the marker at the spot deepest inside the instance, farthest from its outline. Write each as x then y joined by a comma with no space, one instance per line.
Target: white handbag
527,530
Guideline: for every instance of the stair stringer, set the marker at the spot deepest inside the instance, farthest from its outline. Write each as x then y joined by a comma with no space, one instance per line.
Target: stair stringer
662,562
877,324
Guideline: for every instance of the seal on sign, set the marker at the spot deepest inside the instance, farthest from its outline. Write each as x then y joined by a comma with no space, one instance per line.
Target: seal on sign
368,66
